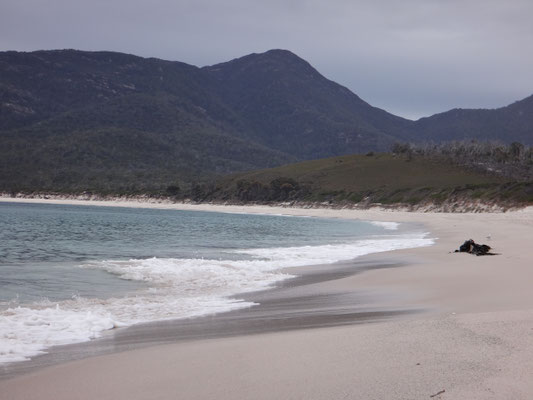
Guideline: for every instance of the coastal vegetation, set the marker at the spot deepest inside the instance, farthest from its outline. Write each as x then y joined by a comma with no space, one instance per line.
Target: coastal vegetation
450,176
445,175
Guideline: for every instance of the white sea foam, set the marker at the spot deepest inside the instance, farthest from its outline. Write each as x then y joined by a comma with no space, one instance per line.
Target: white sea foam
25,332
326,254
178,288
391,226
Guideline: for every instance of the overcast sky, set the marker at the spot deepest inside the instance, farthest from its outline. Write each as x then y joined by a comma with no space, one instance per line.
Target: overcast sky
411,57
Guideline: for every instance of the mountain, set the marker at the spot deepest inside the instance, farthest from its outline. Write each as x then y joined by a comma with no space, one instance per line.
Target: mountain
108,121
78,120
111,122
513,123
291,107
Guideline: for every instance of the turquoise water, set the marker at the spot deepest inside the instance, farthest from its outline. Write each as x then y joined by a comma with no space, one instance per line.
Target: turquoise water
68,273
42,246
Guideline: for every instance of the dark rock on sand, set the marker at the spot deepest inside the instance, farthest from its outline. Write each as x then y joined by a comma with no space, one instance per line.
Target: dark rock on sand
472,247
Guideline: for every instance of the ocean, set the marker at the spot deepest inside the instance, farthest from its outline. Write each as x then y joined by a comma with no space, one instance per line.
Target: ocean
70,273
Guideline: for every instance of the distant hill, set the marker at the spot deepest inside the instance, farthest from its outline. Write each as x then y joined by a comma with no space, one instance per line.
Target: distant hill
382,178
72,120
291,107
513,123
111,122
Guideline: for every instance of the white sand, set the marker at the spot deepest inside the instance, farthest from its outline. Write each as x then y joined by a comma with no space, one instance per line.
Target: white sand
477,343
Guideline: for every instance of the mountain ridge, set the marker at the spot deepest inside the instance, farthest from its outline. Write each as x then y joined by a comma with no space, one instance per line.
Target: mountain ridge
67,116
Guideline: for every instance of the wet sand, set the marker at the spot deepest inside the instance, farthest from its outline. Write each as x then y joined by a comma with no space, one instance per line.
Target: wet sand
302,302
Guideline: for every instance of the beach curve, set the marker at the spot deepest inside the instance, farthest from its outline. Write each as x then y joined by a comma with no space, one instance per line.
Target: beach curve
476,342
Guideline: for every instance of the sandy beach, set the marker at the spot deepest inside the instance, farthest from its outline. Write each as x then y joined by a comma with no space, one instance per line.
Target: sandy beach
471,336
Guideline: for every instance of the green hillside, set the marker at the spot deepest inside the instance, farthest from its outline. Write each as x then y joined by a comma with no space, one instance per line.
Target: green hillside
374,178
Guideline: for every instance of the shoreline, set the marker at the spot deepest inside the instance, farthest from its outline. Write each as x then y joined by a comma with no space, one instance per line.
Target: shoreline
301,302
475,343
375,213
185,205
287,295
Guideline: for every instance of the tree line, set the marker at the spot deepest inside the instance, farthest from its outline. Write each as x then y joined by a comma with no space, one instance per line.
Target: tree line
513,160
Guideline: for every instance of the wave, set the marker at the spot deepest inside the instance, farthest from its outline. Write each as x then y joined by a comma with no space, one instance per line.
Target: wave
390,226
177,288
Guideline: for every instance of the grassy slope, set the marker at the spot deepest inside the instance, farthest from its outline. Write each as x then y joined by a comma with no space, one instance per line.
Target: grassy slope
380,178
359,172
